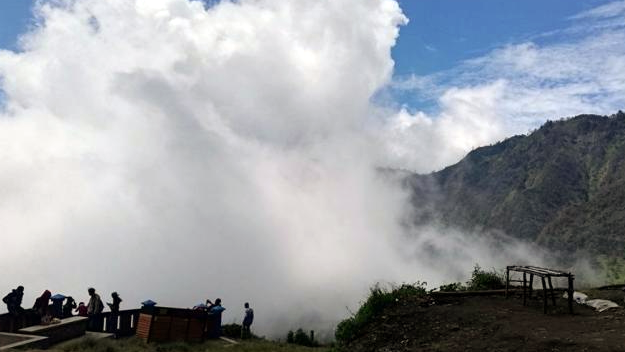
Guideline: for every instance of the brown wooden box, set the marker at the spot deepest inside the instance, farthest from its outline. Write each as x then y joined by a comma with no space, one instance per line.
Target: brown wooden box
162,324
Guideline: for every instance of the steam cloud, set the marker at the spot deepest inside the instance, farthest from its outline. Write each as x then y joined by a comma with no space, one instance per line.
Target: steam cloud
173,151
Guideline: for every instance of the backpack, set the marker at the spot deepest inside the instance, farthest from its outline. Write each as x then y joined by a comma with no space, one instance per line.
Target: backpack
7,298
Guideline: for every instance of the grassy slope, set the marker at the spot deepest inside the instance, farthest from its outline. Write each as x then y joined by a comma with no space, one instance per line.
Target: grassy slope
136,345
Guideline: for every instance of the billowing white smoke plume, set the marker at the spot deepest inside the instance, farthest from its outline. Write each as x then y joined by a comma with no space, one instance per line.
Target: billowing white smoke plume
175,152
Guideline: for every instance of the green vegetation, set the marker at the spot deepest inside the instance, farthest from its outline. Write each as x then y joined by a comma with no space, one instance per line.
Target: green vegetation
453,287
379,298
480,280
299,337
612,269
485,280
561,187
137,345
233,331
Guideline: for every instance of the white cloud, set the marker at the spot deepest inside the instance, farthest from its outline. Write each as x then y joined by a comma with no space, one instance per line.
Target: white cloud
173,152
469,119
512,90
611,9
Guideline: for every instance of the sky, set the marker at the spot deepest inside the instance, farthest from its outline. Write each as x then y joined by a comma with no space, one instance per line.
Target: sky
440,34
168,150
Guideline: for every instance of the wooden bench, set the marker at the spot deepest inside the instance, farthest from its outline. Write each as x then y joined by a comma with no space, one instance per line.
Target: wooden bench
545,275
67,329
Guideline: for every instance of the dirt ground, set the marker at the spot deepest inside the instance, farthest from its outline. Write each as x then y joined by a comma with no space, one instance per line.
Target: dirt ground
494,323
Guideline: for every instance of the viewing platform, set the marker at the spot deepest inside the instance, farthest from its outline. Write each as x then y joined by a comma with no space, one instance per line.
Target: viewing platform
67,329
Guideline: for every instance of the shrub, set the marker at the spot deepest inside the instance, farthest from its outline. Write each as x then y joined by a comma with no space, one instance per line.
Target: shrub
299,337
233,331
290,337
379,298
453,287
485,280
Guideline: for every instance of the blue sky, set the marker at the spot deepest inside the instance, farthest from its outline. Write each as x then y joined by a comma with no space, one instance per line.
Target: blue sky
14,18
441,33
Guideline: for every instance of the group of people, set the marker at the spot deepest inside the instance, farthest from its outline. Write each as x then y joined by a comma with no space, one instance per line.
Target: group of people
50,313
216,309
49,307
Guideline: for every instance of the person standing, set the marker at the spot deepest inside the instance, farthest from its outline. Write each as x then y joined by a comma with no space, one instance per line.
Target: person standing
214,314
212,305
41,307
114,307
94,308
246,333
95,305
13,300
57,305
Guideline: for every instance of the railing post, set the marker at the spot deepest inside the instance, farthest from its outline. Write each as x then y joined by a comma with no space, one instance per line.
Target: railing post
570,291
507,279
524,283
544,295
553,295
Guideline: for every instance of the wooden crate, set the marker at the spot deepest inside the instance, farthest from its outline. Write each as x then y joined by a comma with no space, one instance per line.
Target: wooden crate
161,324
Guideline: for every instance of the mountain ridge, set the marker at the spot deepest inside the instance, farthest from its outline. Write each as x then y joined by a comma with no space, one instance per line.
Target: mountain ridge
562,187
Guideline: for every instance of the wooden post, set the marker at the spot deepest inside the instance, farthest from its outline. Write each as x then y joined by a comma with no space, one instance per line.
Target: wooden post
544,295
553,295
524,283
570,291
531,286
507,279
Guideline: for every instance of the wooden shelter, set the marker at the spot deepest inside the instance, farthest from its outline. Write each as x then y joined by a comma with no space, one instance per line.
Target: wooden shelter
545,275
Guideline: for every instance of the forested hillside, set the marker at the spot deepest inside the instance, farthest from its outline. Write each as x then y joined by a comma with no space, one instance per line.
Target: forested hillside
562,186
